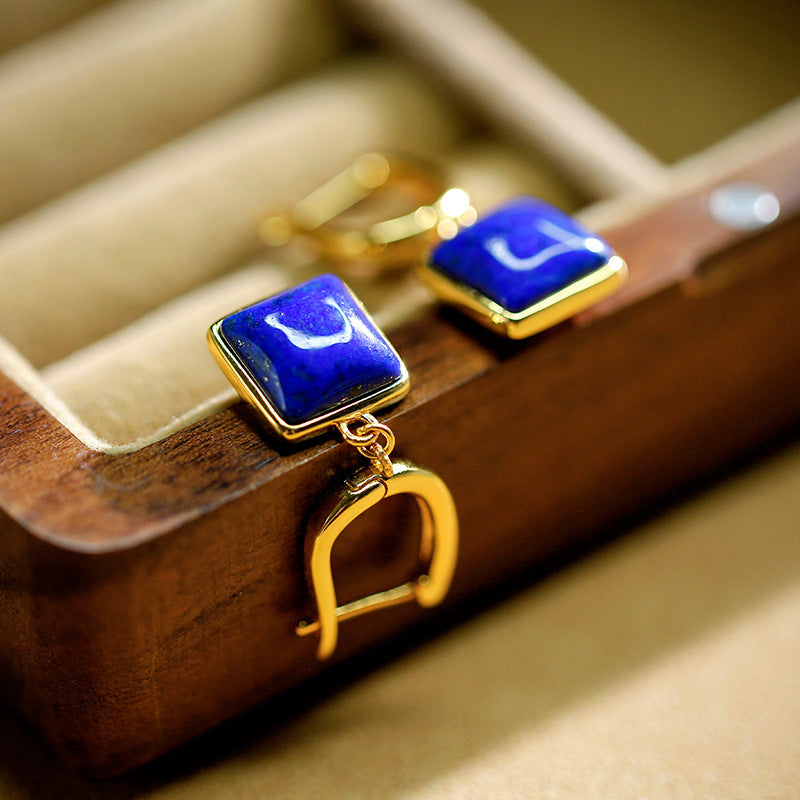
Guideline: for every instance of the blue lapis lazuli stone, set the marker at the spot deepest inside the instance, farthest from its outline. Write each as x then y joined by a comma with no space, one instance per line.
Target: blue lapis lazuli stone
523,252
312,349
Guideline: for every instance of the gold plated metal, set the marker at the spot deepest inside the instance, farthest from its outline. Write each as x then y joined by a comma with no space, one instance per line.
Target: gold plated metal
396,241
553,309
438,544
366,440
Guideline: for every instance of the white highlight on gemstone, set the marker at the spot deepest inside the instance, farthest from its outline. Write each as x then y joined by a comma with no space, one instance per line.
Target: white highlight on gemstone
566,241
310,341
595,245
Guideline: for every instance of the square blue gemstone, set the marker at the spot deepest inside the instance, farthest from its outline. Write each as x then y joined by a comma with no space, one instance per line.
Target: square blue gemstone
312,349
523,252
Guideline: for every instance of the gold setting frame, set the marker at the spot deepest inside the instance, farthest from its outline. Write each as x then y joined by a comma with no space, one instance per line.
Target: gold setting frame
250,390
549,311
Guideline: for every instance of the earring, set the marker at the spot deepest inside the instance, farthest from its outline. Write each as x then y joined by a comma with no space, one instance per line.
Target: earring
310,359
520,269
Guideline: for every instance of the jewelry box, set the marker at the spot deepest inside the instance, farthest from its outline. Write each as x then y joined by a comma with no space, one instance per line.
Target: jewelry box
151,532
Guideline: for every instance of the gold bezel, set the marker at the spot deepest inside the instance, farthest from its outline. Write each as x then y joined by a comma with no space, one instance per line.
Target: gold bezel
249,389
549,311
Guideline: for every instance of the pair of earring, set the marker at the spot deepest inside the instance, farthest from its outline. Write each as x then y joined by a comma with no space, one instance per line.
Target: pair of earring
310,358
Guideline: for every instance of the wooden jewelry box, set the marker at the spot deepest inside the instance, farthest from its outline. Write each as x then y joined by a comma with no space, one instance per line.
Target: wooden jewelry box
151,532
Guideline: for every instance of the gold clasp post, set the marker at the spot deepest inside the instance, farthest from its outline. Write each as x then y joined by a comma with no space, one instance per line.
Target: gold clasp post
397,241
382,478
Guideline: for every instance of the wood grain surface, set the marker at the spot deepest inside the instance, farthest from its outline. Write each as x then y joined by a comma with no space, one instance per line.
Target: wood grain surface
146,597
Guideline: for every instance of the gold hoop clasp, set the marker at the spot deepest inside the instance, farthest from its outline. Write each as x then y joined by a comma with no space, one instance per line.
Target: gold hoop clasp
438,545
396,241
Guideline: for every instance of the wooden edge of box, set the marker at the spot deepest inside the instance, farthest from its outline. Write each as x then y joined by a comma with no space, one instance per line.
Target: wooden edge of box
108,502
111,626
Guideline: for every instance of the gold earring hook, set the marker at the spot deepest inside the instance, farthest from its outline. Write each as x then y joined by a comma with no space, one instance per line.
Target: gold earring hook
438,550
397,241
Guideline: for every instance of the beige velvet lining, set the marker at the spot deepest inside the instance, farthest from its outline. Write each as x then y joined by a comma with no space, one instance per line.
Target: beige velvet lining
95,260
27,19
134,74
138,381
